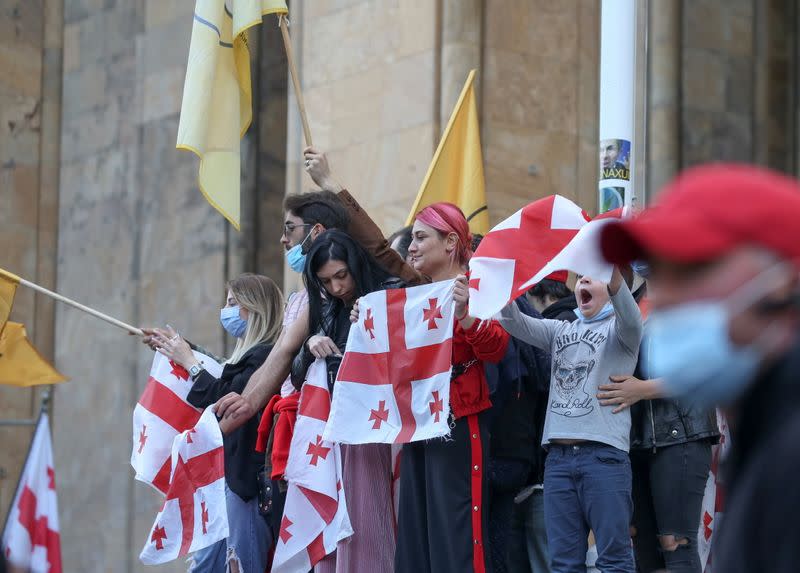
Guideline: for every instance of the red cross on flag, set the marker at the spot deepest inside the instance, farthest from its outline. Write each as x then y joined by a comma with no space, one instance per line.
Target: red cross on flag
194,514
393,384
161,414
517,249
713,499
31,540
582,254
315,513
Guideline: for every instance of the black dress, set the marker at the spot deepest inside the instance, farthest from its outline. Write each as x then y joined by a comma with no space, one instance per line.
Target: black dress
242,462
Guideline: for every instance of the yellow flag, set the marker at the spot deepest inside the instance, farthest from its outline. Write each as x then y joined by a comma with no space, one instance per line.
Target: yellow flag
217,105
456,171
8,287
20,363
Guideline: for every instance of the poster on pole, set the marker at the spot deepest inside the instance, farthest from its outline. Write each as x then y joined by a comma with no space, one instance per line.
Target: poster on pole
617,101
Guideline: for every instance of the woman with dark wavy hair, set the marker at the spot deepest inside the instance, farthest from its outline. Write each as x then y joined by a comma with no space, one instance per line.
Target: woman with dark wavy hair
338,271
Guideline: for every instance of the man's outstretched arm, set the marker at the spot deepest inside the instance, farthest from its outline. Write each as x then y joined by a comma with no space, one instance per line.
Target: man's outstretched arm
362,228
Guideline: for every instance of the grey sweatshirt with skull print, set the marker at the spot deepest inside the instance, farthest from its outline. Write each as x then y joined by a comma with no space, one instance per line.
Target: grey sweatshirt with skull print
584,354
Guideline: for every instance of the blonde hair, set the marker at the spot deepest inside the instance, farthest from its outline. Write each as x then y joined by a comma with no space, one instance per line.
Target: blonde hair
263,300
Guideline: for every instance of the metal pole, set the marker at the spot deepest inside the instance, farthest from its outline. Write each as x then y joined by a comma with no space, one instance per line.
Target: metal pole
617,103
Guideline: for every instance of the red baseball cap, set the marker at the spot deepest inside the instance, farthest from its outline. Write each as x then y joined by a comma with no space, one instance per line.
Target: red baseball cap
708,210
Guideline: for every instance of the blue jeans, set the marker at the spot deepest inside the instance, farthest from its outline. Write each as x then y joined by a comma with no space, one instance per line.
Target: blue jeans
668,489
588,486
248,540
527,547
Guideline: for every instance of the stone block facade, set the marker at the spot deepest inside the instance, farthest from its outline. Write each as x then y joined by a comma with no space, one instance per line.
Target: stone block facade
96,202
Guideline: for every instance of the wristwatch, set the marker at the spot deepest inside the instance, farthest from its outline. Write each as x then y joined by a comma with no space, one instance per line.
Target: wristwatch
195,370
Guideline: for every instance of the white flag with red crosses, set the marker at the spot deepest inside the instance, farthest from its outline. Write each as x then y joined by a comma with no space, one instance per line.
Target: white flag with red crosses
582,254
194,514
31,539
315,515
714,497
517,249
161,414
393,384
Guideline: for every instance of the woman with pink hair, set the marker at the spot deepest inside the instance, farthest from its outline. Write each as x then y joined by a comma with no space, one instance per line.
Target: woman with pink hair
442,522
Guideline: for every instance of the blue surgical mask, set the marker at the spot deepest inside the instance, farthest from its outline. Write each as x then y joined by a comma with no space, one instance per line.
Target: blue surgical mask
688,347
296,256
606,311
232,322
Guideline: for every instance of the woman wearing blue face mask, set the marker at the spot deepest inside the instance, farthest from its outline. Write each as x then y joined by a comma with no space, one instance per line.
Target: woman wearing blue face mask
252,314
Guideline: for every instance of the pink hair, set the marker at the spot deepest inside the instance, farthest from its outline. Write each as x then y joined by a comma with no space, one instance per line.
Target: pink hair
447,218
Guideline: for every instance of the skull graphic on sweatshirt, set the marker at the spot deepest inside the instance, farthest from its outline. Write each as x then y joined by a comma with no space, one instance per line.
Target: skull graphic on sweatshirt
572,364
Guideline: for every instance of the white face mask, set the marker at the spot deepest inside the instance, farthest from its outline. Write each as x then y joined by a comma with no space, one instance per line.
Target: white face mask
689,348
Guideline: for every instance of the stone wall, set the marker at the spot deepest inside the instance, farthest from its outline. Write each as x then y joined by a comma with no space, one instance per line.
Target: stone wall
138,241
380,79
87,161
30,60
540,107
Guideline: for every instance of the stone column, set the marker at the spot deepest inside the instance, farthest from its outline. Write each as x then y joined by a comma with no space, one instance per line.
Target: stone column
773,69
49,169
664,95
460,51
26,207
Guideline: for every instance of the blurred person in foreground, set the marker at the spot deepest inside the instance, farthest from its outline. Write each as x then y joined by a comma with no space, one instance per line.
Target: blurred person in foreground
723,245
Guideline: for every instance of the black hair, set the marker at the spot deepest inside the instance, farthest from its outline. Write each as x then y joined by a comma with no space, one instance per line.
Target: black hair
476,241
318,207
336,245
549,287
405,240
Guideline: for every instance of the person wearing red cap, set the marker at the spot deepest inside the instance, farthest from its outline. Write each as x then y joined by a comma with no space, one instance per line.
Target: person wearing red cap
723,248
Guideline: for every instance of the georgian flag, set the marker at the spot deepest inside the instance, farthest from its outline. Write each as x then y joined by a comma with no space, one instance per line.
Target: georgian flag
582,254
393,384
194,514
31,538
713,499
315,515
517,249
161,414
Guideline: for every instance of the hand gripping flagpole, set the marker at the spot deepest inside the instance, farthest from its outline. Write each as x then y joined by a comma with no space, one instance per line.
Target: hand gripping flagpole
283,22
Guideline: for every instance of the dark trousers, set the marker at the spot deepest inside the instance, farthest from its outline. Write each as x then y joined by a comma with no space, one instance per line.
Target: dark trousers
442,522
527,545
588,486
506,478
668,489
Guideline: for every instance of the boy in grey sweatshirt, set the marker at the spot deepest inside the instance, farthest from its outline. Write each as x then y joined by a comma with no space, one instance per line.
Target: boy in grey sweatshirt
587,480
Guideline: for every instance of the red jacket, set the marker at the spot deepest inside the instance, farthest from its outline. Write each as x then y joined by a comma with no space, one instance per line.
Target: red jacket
286,411
484,341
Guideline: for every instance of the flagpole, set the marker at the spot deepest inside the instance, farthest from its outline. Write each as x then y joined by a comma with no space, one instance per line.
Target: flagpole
84,308
287,43
450,122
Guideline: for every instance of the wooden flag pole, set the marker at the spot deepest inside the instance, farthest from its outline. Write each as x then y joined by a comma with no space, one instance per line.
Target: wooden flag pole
287,43
84,308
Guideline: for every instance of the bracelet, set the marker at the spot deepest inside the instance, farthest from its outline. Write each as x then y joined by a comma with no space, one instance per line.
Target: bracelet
463,316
